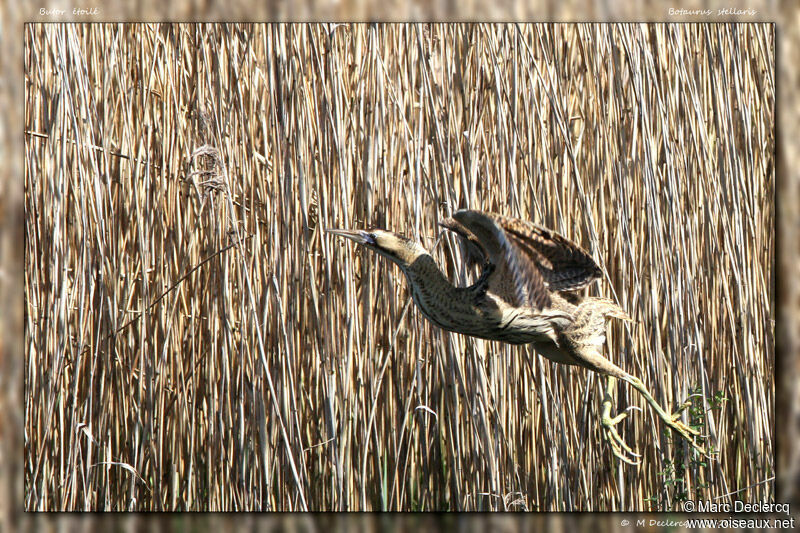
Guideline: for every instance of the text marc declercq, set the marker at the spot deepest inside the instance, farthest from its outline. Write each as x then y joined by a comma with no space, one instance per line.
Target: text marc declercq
741,507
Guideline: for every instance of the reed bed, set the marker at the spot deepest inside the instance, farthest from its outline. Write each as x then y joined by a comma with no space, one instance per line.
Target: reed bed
195,341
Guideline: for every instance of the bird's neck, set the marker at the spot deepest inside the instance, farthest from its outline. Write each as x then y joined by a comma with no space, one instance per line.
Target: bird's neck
422,270
441,302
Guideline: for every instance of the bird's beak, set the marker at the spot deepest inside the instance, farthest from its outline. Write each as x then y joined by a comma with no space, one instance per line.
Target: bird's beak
361,237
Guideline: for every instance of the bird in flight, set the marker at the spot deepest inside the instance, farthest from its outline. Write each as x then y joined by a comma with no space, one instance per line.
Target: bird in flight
525,294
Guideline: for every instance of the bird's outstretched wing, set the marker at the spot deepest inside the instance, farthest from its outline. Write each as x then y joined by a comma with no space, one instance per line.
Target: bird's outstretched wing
512,276
529,261
564,265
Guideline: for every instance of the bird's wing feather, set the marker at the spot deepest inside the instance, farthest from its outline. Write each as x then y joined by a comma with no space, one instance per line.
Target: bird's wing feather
515,277
474,251
530,260
564,265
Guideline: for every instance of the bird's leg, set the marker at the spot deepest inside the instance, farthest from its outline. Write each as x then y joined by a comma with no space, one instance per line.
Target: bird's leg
671,419
618,446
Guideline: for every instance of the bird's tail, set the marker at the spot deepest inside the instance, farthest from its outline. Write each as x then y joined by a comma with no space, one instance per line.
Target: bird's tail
590,321
609,308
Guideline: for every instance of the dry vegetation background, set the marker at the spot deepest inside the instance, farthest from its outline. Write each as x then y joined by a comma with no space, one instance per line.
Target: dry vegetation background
195,341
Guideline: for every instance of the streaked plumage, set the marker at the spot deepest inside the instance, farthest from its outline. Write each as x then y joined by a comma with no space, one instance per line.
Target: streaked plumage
525,295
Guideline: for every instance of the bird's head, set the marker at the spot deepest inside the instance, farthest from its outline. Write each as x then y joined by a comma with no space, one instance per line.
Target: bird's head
392,246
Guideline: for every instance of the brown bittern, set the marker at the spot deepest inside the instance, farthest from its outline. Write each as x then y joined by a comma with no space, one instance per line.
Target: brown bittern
525,294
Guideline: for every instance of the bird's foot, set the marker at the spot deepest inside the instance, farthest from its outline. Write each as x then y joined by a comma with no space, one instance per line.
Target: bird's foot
619,447
671,419
687,432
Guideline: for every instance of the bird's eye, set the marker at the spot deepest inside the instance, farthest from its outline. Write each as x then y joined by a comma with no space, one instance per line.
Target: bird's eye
371,239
